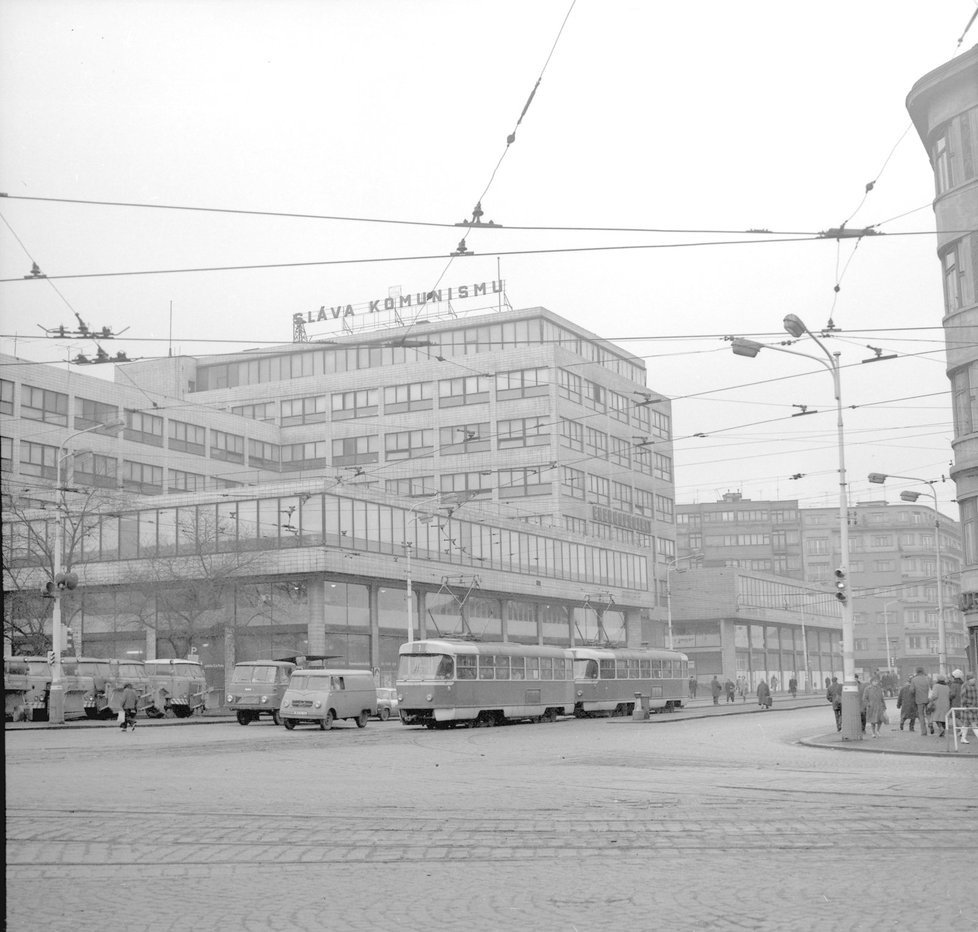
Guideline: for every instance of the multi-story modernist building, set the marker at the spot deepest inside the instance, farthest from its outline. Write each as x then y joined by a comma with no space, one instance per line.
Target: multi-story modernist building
512,468
892,569
944,107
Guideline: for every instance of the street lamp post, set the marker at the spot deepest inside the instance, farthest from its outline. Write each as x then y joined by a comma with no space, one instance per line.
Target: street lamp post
851,721
56,702
886,631
879,478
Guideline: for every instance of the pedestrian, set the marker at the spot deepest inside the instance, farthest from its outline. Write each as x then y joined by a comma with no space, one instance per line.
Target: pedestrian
861,687
692,687
729,688
764,695
774,684
834,695
921,696
942,702
969,705
715,689
954,688
874,706
129,702
907,704
793,687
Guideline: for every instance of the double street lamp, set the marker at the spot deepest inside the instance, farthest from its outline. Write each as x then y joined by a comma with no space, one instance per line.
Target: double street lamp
879,478
56,703
851,721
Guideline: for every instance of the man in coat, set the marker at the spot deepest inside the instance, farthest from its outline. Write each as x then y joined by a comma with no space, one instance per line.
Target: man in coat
921,694
907,704
715,689
834,695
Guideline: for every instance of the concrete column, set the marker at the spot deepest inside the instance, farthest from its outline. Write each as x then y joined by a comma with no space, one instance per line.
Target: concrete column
316,625
572,627
372,602
419,598
633,628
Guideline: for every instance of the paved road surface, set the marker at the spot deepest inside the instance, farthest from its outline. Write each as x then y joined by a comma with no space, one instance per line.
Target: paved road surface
712,823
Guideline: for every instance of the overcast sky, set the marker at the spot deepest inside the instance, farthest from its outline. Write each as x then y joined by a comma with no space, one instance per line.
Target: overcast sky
705,116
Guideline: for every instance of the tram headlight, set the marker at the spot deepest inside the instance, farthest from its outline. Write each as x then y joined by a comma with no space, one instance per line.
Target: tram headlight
229,697
264,700
580,692
428,698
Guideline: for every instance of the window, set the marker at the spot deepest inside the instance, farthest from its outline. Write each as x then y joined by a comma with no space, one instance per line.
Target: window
477,484
817,545
190,438
144,428
178,481
596,443
39,404
90,414
264,411
571,434
621,496
572,482
516,483
522,383
621,452
644,502
414,396
464,438
228,447
347,405
570,386
523,432
470,390
619,407
943,175
264,455
6,397
142,478
409,444
309,410
599,490
411,487
353,451
96,470
953,292
38,459
296,456
6,455
594,395
663,467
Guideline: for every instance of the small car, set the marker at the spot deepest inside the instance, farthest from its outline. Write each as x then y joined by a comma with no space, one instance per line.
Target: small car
386,703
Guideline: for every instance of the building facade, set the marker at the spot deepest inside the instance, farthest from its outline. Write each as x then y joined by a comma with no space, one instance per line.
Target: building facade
944,107
892,568
511,467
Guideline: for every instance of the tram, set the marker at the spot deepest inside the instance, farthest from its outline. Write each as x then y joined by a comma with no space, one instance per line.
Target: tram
443,683
606,680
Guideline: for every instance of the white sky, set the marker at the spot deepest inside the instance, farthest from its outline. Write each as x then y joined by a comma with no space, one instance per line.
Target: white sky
708,115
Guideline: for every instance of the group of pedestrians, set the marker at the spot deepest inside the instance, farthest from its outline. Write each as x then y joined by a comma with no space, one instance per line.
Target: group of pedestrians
922,700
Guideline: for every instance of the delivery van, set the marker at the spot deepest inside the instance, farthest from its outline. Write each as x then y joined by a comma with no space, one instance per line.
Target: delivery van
320,697
258,686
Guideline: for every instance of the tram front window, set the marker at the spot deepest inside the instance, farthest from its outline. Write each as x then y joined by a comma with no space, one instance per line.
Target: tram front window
425,667
586,669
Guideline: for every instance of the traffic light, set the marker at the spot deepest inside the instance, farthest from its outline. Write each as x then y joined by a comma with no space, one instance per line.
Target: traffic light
840,586
53,589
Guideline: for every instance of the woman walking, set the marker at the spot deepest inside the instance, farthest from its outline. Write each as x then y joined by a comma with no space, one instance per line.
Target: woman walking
874,705
942,702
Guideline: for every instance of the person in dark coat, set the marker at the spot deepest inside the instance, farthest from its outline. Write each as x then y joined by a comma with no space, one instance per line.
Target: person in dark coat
861,686
764,695
874,706
129,702
921,695
969,703
942,702
834,695
729,688
793,687
715,689
954,688
907,704
692,687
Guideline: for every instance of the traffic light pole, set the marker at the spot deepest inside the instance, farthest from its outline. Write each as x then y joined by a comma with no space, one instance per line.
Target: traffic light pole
56,702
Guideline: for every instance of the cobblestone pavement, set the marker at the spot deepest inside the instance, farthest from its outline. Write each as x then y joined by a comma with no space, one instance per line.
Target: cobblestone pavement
714,823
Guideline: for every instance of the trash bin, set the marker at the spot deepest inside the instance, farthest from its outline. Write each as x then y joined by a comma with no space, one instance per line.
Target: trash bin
640,712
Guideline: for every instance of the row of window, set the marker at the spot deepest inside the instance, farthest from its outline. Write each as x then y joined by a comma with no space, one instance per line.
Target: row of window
327,520
384,354
774,516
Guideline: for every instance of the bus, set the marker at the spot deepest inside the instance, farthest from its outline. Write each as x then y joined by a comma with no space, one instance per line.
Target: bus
606,680
444,683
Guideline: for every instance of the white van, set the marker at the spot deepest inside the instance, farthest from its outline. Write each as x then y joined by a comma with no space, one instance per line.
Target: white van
322,696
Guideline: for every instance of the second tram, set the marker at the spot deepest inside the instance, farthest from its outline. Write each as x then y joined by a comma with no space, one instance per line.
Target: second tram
607,679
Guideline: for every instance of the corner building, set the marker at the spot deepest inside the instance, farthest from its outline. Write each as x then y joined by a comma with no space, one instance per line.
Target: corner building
944,107
511,465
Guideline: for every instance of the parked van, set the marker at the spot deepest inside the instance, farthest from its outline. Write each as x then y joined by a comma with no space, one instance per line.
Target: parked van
176,686
322,696
257,686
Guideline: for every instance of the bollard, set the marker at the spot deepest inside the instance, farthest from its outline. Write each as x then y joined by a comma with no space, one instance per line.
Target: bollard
640,711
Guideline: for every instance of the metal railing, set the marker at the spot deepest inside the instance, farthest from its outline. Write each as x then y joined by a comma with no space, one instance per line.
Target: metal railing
970,720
